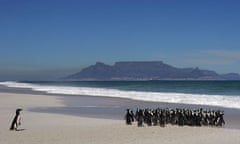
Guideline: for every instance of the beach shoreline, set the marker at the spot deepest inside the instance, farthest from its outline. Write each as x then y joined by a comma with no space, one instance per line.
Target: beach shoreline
113,108
46,126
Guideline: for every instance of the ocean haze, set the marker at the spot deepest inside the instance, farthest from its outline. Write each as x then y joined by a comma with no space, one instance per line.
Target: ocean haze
125,70
36,75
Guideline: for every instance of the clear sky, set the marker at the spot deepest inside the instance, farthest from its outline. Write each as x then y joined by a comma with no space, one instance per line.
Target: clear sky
45,39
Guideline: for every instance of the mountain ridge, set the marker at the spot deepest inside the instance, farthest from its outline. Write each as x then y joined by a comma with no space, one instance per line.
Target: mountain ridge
146,70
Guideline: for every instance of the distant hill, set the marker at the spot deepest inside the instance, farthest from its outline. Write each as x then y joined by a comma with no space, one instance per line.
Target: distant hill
146,70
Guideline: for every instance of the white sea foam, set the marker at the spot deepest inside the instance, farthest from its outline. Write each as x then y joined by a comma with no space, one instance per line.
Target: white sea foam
211,100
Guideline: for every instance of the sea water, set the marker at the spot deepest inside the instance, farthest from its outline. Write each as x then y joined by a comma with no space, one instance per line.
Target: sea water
210,93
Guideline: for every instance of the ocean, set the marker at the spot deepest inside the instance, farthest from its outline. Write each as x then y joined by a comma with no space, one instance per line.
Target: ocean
210,93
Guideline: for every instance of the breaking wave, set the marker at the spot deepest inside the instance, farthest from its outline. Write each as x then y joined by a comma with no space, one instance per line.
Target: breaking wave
182,98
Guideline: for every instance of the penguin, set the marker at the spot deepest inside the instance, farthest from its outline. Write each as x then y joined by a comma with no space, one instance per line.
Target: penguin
16,120
128,117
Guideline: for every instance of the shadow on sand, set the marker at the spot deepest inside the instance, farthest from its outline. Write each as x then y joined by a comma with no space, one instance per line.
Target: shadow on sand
20,129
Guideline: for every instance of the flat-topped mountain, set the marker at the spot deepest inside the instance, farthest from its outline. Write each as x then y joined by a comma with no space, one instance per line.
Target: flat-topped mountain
147,70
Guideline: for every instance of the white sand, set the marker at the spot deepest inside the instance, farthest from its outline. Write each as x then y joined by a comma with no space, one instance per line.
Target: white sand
43,128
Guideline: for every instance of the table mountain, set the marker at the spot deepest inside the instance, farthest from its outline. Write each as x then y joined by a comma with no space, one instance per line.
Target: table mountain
146,70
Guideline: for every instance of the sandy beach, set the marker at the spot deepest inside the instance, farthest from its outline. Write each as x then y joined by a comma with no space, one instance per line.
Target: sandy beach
55,128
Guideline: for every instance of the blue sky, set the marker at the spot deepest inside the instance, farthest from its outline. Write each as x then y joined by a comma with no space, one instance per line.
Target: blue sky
46,39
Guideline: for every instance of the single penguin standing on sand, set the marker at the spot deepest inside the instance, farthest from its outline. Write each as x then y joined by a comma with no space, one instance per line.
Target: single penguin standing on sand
16,120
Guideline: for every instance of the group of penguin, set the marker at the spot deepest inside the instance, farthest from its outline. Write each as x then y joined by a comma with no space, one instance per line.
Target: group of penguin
180,117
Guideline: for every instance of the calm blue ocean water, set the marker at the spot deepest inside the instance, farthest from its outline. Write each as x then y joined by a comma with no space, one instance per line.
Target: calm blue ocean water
216,93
